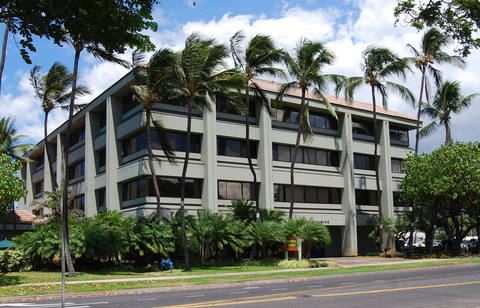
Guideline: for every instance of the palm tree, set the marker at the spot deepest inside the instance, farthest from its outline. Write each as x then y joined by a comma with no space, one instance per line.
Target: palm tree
10,140
145,79
430,52
52,89
257,59
192,78
4,50
378,65
447,101
305,67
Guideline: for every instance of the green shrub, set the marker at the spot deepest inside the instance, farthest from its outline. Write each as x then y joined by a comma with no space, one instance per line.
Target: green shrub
12,260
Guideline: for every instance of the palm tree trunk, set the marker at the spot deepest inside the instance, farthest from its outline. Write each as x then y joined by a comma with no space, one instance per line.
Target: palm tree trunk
66,150
150,163
47,152
419,111
4,50
182,189
377,178
448,134
294,156
249,157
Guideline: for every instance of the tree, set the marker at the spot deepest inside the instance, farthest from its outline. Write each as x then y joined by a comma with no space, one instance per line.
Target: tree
266,233
145,79
448,180
10,141
430,52
88,26
448,100
193,77
310,231
459,19
52,89
378,65
305,67
257,59
11,185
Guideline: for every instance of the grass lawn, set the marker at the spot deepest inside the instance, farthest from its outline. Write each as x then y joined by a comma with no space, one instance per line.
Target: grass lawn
10,280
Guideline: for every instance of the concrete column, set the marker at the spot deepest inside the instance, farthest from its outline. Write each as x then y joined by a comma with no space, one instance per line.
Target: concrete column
114,113
349,231
59,165
385,173
28,186
265,160
47,180
209,159
90,170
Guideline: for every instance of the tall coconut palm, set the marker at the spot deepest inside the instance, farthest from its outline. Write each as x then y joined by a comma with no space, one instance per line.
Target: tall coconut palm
192,78
53,91
145,79
4,50
378,65
306,69
10,141
257,59
431,52
447,101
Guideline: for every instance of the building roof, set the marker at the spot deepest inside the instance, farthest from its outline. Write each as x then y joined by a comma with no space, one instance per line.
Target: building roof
334,100
19,217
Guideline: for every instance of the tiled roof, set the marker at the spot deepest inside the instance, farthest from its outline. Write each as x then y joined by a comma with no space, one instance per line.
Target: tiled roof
20,216
275,87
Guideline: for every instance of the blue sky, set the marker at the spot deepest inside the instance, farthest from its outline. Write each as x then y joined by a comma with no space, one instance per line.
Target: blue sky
346,26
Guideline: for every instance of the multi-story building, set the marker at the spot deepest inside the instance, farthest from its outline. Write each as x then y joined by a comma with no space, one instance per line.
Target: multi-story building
334,173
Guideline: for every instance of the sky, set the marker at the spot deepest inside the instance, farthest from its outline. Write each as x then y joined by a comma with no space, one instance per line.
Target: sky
347,27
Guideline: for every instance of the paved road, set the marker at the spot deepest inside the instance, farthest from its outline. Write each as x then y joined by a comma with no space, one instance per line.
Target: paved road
449,286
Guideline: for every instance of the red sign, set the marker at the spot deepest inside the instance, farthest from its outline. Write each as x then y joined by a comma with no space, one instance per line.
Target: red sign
292,244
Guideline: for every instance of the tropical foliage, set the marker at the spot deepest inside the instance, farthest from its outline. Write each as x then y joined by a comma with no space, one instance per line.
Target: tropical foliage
10,141
11,184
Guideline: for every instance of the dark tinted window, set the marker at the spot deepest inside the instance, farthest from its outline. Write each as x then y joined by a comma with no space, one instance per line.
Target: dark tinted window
305,155
362,127
398,133
77,136
102,158
178,142
397,165
76,170
307,194
224,107
129,103
169,187
101,199
366,197
79,203
230,190
363,161
399,199
235,147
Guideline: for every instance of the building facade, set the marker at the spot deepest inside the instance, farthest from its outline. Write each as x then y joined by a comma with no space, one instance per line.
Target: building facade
334,172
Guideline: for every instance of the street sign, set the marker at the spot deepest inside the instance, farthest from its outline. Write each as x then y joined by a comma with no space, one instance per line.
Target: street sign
292,243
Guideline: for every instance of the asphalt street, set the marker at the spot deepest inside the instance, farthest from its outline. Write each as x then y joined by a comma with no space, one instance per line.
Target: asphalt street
448,286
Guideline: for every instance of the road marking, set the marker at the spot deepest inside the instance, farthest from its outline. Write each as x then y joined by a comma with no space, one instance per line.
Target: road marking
399,289
315,286
198,295
241,292
249,288
292,293
280,289
208,304
146,299
348,283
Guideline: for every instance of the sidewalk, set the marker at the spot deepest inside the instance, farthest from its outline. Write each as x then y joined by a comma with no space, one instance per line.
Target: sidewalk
343,262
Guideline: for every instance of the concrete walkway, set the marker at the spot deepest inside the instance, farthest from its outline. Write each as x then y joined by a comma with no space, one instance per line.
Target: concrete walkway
343,262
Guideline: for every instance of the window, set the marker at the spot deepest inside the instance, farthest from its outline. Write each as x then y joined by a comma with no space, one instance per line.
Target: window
363,161
225,107
399,199
287,115
307,194
77,136
76,170
321,120
398,133
102,119
102,158
169,187
38,188
101,199
178,142
229,190
38,163
366,197
397,165
235,147
305,155
362,127
128,103
79,203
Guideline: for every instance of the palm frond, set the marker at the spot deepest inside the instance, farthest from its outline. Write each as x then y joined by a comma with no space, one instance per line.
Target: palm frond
404,92
164,141
428,130
104,55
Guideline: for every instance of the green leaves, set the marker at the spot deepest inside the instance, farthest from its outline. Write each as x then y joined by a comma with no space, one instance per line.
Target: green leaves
11,184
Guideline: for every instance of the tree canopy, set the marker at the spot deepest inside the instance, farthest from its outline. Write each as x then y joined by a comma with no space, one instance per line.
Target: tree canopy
459,19
11,184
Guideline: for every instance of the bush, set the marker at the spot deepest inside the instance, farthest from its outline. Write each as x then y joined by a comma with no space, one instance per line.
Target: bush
12,260
305,264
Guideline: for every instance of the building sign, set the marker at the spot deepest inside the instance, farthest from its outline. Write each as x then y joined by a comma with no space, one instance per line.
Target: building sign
292,243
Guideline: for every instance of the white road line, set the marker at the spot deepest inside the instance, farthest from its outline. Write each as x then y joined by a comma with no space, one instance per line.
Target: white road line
94,303
378,281
346,283
241,292
199,295
280,289
315,286
146,299
249,288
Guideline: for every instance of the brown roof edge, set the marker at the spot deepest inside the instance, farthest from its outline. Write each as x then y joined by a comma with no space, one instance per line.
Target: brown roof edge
275,87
